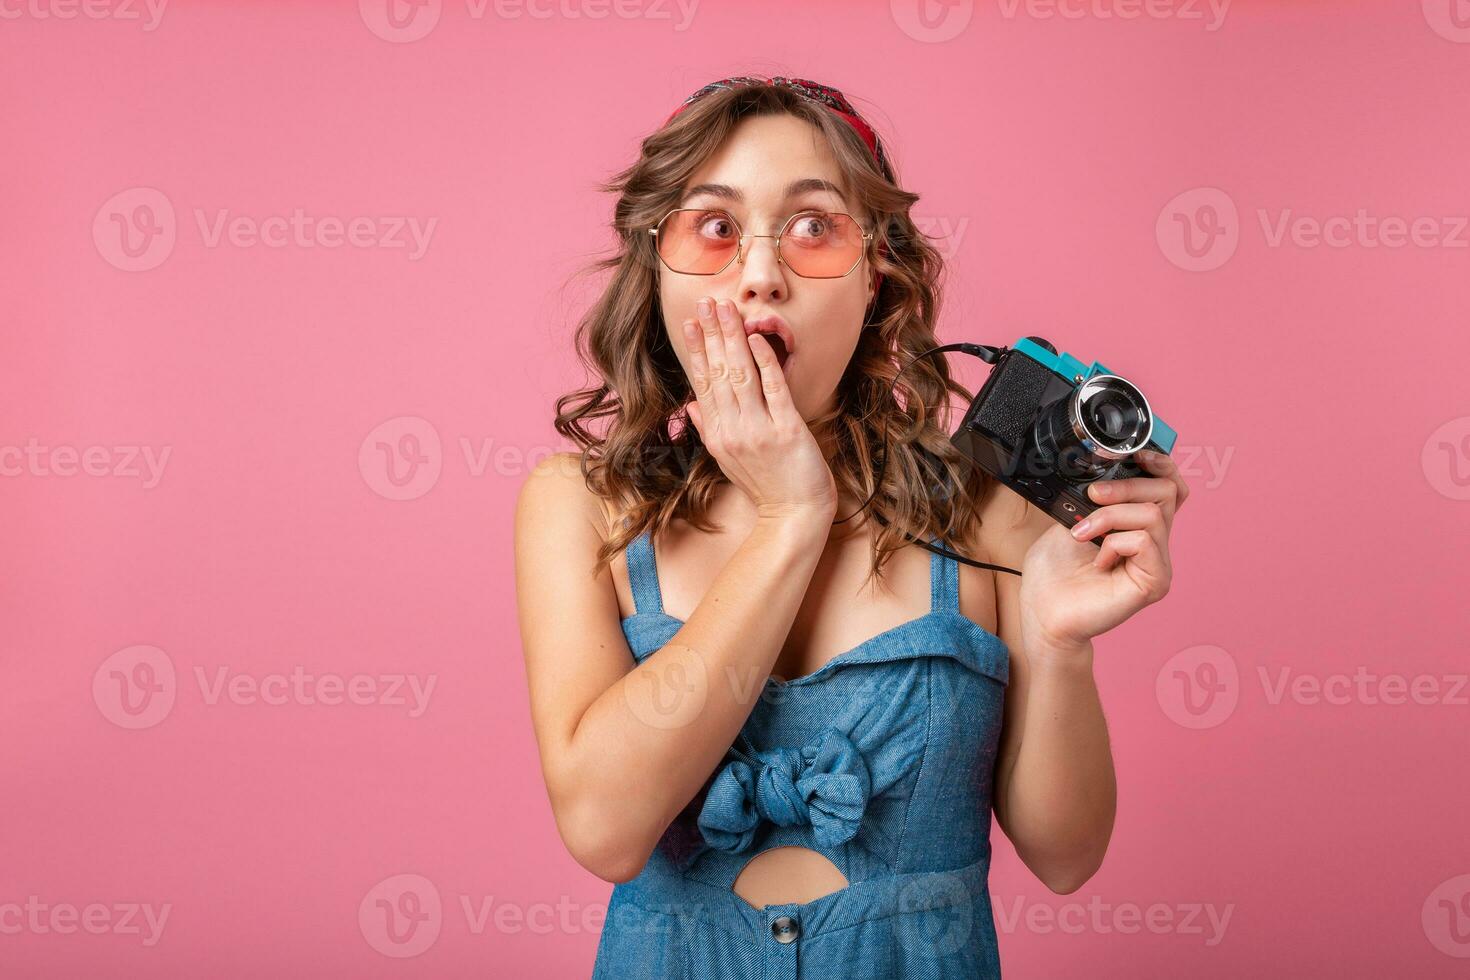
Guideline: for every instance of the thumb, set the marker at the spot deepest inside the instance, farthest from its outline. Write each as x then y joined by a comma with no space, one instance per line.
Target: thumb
693,411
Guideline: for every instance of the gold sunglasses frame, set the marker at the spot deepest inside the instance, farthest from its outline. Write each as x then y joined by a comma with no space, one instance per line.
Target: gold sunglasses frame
740,241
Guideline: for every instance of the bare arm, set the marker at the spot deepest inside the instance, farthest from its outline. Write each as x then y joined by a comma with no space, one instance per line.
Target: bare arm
1056,792
1055,788
624,749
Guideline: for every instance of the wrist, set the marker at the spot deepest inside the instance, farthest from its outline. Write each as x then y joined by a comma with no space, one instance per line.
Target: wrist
1047,651
804,527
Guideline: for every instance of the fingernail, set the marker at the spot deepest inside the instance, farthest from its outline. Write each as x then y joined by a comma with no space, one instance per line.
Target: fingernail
705,307
1099,490
1081,529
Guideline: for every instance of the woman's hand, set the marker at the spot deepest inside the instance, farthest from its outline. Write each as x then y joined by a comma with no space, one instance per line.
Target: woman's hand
1072,590
744,414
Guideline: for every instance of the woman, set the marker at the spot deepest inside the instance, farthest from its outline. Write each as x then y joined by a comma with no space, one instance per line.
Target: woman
785,769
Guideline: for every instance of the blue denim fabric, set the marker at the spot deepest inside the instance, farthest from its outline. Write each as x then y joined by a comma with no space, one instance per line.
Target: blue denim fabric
882,761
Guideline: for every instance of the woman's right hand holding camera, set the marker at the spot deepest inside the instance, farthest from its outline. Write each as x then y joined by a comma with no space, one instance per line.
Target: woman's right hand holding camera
746,418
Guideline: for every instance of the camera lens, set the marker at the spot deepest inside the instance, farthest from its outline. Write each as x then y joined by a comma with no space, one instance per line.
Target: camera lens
1112,414
1102,420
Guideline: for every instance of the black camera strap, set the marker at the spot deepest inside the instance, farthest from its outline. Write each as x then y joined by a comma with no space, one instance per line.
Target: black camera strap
987,354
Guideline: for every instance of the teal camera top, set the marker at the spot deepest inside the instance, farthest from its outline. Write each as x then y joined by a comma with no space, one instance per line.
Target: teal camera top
1074,370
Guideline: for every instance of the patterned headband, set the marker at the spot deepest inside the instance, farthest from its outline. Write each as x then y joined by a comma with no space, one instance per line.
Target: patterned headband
823,95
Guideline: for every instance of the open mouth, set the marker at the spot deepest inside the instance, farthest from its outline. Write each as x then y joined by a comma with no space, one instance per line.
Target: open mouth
779,346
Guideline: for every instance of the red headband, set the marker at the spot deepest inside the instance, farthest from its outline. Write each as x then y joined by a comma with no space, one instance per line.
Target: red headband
824,95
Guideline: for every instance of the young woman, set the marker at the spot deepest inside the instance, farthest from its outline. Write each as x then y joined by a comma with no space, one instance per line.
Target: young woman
776,722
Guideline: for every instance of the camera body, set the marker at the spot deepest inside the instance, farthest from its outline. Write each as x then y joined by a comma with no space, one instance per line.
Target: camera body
1047,426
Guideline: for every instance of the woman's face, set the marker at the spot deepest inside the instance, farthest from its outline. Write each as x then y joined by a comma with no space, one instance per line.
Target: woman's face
769,168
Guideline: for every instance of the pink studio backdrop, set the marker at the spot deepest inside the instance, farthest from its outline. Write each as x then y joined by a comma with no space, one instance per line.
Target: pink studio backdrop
257,667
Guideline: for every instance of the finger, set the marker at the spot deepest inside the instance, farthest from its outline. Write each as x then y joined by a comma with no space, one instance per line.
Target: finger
1125,517
1146,562
744,378
773,381
699,379
1162,464
721,402
1138,489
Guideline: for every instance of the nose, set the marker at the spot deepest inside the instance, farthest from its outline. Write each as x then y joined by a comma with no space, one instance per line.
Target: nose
762,276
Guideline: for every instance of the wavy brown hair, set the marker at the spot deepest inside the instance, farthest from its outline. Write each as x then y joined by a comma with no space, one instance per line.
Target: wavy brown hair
649,460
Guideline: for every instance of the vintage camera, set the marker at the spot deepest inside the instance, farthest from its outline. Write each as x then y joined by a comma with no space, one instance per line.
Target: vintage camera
1047,426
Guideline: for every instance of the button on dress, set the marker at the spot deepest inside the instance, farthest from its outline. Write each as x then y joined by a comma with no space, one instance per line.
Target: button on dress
882,760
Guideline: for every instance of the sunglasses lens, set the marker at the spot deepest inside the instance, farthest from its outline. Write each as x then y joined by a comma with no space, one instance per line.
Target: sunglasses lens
814,244
821,245
698,242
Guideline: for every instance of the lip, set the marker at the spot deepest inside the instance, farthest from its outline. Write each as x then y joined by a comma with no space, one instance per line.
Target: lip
773,323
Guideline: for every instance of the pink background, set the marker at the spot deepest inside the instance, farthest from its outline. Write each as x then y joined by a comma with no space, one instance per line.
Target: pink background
1315,389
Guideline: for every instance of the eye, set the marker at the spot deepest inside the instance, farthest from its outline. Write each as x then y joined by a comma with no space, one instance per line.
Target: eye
716,225
811,226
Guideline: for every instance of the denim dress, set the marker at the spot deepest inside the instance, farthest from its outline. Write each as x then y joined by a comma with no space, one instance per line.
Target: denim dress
882,760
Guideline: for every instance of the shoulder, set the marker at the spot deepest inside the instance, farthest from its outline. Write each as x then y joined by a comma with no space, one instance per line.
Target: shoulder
1010,524
555,498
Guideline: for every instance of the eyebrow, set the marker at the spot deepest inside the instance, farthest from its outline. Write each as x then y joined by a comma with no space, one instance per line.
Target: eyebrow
796,188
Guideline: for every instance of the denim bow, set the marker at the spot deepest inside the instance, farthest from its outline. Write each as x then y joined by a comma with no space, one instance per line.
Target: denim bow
825,784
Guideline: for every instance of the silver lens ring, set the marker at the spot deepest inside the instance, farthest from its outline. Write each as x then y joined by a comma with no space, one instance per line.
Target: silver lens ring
1082,404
